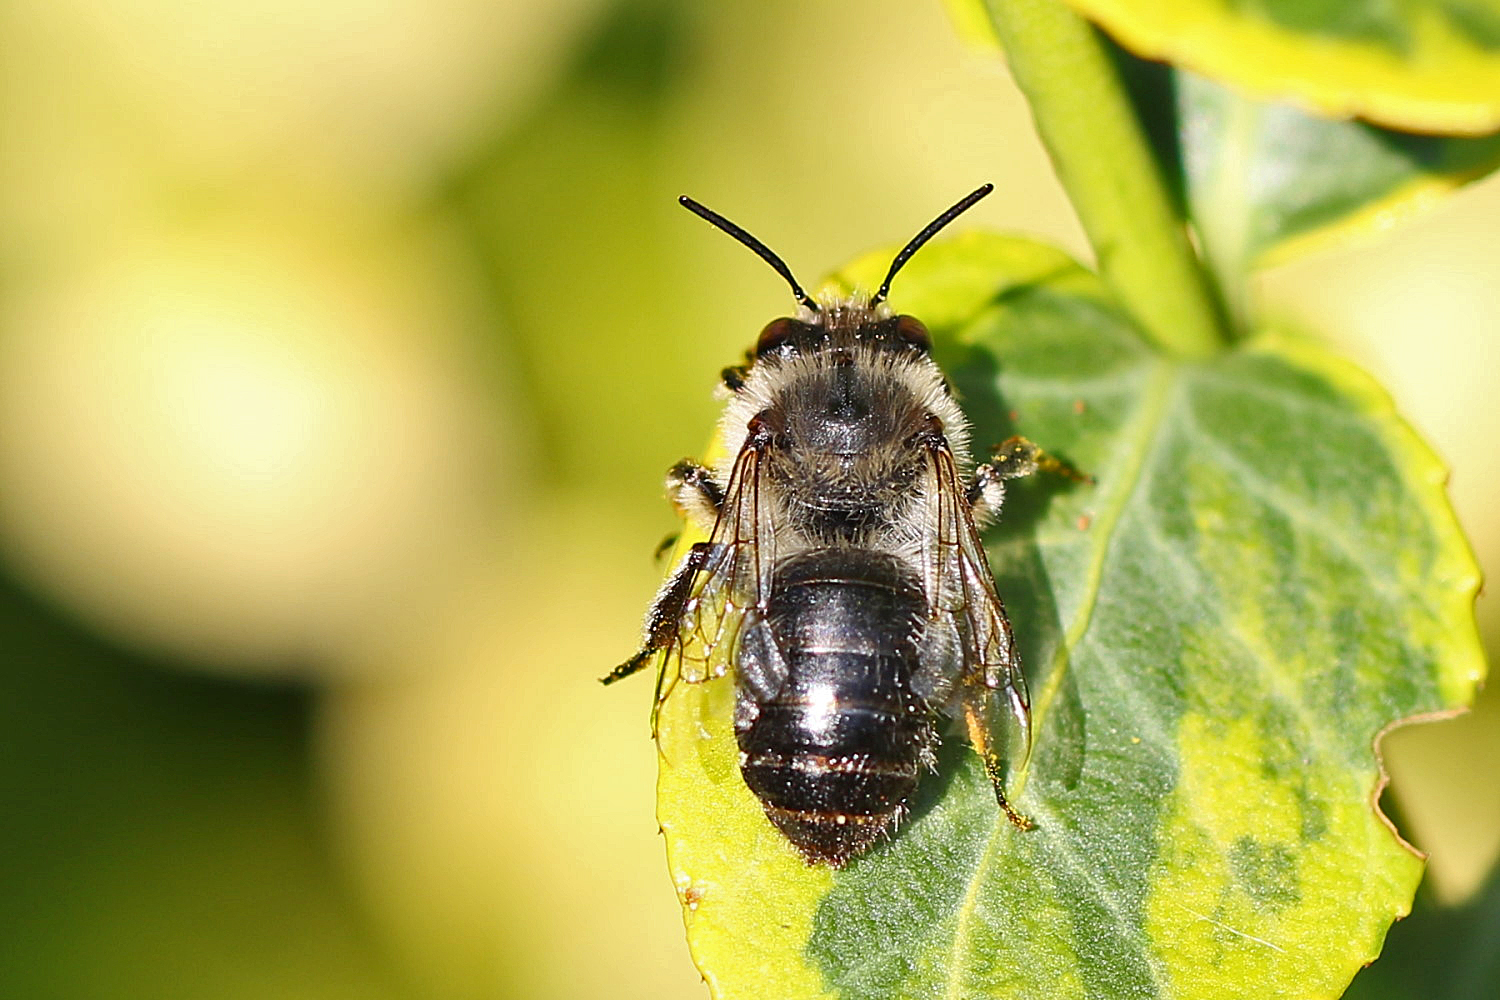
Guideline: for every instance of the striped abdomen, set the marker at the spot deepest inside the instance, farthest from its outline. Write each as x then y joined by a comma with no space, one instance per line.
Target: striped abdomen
832,737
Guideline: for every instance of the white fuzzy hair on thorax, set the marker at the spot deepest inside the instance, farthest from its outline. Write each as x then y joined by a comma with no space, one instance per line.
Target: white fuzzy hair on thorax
767,377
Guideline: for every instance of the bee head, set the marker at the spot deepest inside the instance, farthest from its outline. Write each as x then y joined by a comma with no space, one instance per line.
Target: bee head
818,324
842,325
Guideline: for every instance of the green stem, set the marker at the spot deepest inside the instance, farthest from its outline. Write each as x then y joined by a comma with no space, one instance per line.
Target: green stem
1103,159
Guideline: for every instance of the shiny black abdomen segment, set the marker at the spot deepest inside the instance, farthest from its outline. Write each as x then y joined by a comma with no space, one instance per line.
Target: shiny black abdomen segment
832,737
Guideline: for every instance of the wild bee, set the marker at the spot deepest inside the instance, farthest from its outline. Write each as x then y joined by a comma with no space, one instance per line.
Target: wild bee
843,582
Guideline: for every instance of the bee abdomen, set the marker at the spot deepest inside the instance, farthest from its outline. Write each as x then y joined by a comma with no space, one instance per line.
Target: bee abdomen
836,751
834,805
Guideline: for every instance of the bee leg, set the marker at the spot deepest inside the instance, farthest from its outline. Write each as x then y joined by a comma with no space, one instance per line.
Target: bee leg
666,545
979,737
665,613
986,494
1013,458
734,377
695,493
633,665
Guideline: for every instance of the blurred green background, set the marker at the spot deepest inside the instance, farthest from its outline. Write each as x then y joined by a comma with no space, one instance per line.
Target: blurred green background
342,348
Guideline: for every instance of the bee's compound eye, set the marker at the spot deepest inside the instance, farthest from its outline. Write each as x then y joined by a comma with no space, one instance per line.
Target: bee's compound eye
777,334
911,330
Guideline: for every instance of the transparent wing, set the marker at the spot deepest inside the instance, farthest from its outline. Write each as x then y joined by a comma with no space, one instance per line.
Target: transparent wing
996,704
733,578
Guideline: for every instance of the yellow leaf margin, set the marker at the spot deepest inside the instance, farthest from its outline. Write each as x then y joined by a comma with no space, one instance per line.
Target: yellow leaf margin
1443,84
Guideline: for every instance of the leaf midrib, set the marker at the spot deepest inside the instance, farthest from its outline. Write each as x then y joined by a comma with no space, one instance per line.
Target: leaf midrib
1141,437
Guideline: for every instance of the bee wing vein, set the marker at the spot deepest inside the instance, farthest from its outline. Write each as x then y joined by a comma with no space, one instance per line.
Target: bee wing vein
732,581
965,589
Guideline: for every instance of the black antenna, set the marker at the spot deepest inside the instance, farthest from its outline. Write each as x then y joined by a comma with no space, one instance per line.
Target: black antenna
925,235
760,248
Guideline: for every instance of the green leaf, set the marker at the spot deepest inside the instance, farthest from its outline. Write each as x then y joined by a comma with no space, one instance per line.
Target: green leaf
1265,576
1260,181
1266,181
1422,65
1263,182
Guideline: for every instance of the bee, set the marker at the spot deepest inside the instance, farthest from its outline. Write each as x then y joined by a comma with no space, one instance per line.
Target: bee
843,583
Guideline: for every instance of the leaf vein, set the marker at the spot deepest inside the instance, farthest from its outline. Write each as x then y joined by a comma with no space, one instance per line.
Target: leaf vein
1141,437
